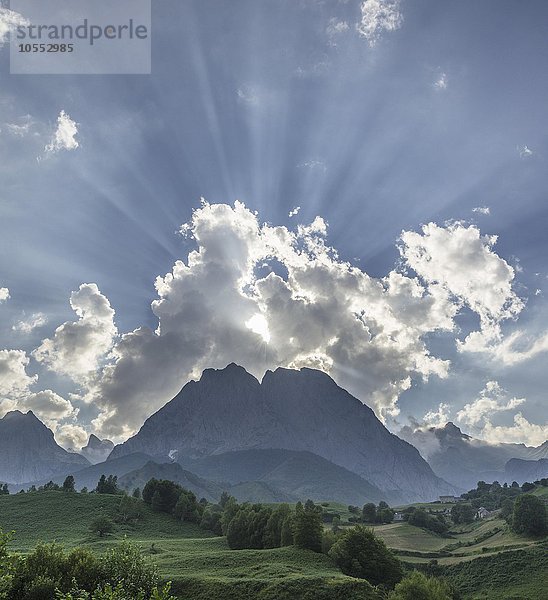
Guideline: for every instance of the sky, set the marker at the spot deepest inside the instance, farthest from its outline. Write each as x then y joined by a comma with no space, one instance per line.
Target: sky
356,186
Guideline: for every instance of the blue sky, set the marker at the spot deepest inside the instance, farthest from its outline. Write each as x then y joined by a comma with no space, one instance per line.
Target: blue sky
284,104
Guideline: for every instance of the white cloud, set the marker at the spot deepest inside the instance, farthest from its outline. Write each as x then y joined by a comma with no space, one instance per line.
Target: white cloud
77,347
482,210
378,16
212,309
294,211
33,322
313,164
9,20
71,436
335,29
462,261
4,294
525,152
439,417
49,406
441,82
64,137
522,431
492,399
14,380
22,127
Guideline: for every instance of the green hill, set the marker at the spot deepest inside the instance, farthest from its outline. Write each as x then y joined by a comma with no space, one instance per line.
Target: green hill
201,566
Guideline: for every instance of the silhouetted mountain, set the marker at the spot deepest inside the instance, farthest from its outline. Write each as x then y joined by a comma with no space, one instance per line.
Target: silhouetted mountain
229,410
463,460
97,450
288,474
28,450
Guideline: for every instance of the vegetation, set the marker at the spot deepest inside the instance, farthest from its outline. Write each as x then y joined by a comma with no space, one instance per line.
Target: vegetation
417,586
463,513
360,553
529,515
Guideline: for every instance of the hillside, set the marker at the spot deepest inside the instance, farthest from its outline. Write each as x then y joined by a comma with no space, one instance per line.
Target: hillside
229,410
293,475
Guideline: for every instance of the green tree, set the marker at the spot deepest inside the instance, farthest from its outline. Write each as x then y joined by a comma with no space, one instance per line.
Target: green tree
162,495
211,520
107,485
237,535
417,586
529,515
4,491
360,553
102,526
286,535
274,525
129,510
230,509
188,508
308,527
68,484
369,513
462,513
136,493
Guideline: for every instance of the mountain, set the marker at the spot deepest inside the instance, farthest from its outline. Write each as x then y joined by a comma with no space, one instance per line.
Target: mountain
96,450
517,469
463,460
288,474
229,410
174,472
28,450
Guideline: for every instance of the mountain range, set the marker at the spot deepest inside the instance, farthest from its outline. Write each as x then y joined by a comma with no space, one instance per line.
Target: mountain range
229,410
463,460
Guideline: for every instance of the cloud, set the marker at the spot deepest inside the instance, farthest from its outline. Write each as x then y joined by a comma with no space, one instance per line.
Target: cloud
462,261
14,380
482,210
294,211
525,152
441,82
213,308
33,322
49,406
23,126
77,347
64,137
521,431
4,294
437,418
71,436
378,16
9,20
313,164
335,29
492,399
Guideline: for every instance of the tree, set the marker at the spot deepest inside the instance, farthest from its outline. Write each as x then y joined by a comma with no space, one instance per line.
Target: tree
225,497
529,515
286,535
136,493
308,528
68,484
107,485
385,515
462,513
527,487
360,553
211,520
4,491
417,586
369,513
102,526
420,518
162,495
129,510
230,509
188,508
274,525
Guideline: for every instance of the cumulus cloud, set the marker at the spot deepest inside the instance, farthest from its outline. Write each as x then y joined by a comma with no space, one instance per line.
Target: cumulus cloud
9,20
64,137
525,152
77,347
521,431
16,391
492,399
27,325
323,312
482,210
4,294
71,436
378,16
437,418
509,350
462,261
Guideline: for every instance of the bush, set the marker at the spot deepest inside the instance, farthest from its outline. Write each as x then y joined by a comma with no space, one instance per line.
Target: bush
417,586
420,518
360,553
102,526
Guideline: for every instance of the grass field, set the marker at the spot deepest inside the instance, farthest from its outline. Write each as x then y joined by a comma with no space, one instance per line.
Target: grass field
202,567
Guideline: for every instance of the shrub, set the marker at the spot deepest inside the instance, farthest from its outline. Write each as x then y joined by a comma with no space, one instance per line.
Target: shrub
417,586
102,526
529,515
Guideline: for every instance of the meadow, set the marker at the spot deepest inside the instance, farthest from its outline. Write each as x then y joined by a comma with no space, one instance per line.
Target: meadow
202,566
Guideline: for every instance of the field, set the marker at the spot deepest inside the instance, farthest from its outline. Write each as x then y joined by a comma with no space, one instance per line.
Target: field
202,566
199,565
